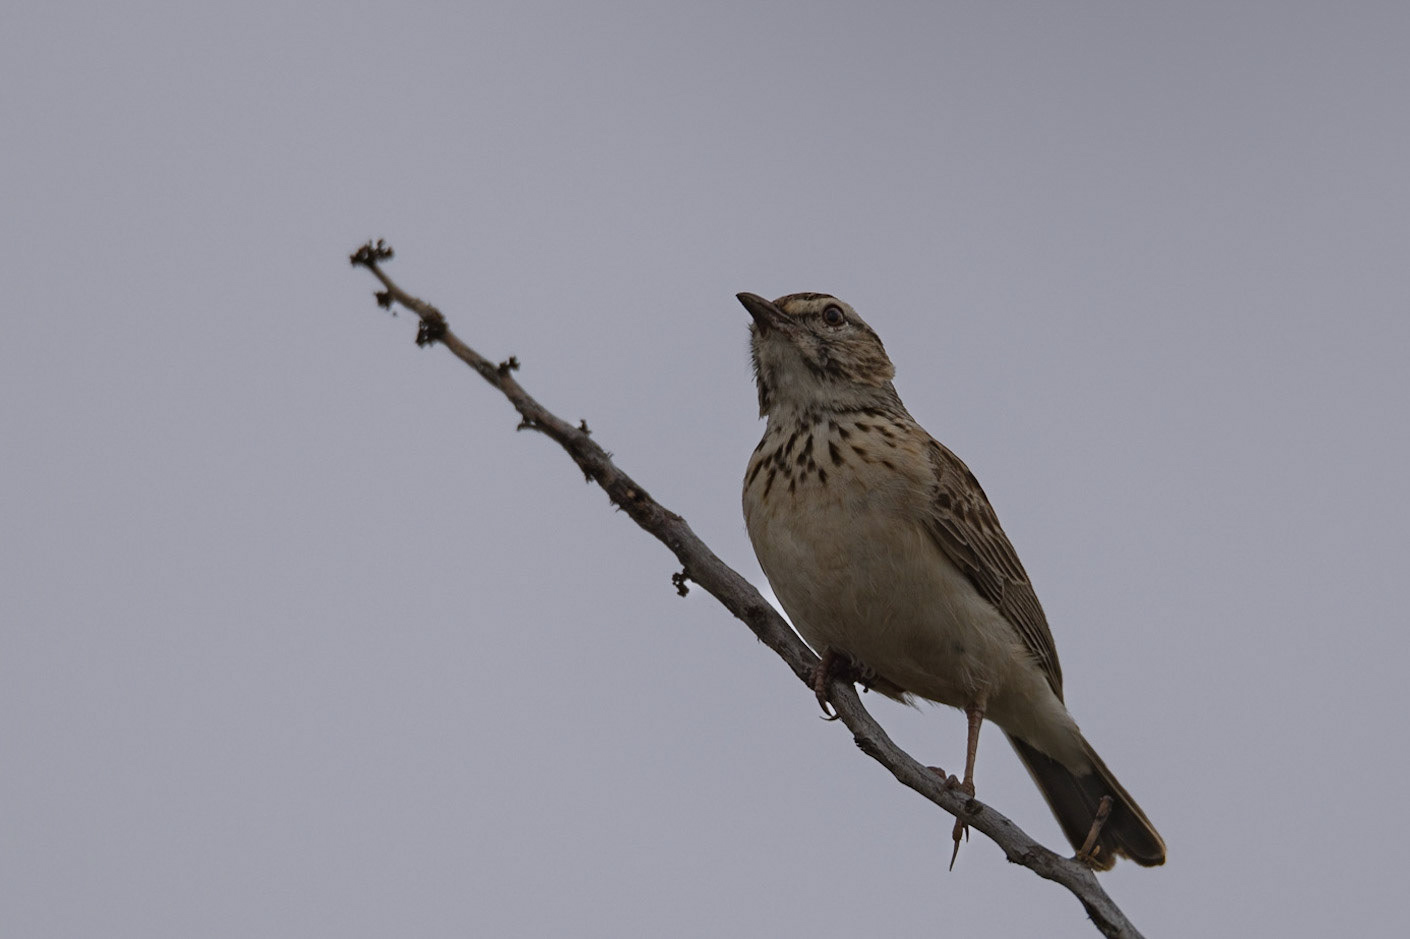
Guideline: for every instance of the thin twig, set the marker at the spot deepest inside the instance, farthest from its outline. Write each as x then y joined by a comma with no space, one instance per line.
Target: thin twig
704,567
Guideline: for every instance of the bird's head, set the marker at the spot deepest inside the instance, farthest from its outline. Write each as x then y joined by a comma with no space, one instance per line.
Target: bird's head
814,354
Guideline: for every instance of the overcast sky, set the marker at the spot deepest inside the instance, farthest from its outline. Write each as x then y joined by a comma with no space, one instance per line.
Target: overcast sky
299,638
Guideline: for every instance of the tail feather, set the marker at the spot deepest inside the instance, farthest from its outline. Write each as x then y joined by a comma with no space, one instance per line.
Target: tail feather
1074,800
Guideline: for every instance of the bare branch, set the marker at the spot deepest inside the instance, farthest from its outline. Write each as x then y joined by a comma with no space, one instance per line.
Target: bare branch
705,568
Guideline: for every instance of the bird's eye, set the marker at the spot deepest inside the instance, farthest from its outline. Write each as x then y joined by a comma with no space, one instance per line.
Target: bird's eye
832,316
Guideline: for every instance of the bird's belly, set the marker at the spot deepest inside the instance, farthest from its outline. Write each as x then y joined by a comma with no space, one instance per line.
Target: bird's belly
876,586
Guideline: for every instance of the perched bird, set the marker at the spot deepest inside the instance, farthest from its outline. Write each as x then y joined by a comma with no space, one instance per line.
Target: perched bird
884,550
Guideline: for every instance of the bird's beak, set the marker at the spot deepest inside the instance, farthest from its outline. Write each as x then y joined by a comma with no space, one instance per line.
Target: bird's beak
766,315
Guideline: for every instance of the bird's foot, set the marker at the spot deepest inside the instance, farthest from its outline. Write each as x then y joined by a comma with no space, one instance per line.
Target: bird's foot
833,664
961,830
1088,853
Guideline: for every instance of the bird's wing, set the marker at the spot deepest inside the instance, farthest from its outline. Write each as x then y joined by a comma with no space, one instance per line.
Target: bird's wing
963,523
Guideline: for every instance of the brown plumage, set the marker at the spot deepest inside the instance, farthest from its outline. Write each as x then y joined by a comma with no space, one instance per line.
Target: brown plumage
882,547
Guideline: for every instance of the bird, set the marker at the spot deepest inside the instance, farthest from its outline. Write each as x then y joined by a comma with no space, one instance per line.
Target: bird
889,560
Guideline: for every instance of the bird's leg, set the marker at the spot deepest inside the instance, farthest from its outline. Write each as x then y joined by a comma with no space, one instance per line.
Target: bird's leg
975,714
1087,854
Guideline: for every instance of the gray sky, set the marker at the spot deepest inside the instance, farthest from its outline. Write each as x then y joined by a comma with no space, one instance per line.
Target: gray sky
298,637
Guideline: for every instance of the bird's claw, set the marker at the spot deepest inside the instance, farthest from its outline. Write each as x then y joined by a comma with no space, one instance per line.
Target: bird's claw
961,830
823,672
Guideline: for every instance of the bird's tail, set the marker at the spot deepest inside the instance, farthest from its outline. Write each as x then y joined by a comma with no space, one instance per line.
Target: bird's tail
1074,799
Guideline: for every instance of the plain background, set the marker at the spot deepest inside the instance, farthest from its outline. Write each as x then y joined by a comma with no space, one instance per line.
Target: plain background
299,638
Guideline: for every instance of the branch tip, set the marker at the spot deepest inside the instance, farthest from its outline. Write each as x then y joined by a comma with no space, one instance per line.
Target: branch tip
371,253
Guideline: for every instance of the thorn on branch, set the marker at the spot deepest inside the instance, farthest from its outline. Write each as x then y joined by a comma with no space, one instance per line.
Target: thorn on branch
369,254
582,425
510,364
432,328
679,578
527,424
